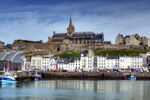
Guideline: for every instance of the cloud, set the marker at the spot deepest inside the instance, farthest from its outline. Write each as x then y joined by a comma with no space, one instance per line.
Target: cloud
30,29
37,20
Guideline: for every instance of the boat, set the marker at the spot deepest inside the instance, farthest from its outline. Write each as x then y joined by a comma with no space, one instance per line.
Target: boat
132,77
37,76
8,78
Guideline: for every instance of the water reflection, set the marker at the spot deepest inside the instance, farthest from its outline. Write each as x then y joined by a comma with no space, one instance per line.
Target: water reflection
8,86
79,90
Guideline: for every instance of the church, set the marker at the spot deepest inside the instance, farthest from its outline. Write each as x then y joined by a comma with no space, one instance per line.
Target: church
72,37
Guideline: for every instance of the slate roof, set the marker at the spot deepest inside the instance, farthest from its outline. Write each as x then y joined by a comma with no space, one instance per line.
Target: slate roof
127,36
79,35
63,35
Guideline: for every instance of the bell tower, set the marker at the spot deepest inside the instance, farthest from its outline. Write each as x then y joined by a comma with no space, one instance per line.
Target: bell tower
70,29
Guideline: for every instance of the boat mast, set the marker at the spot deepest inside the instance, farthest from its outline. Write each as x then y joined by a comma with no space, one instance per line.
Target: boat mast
8,66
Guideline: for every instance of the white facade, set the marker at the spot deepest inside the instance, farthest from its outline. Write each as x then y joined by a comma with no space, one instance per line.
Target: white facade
40,62
136,62
101,62
107,63
36,61
53,64
45,62
112,63
125,62
87,63
69,66
121,62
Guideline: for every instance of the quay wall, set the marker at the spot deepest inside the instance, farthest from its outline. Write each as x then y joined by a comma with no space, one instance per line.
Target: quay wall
93,75
85,75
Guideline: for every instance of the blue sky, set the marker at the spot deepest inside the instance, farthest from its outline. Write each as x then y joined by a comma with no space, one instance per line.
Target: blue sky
37,19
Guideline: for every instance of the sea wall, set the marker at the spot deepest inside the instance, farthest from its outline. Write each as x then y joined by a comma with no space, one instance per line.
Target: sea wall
93,75
84,75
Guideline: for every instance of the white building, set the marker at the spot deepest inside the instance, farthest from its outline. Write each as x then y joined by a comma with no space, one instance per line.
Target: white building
101,63
69,65
107,62
136,62
125,62
87,63
36,62
74,65
112,62
53,64
45,62
119,62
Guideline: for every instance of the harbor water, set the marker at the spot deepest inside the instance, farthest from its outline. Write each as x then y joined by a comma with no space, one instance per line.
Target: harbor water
77,90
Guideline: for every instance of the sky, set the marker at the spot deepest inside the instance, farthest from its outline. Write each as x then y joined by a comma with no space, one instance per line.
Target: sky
37,19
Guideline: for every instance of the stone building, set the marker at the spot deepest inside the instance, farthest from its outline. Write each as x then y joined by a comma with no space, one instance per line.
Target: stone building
72,37
135,39
144,41
127,40
2,44
120,39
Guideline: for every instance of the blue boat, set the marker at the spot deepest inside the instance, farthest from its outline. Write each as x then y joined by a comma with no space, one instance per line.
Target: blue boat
8,78
132,77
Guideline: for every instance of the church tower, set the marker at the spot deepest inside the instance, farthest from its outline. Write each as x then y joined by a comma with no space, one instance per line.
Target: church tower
70,29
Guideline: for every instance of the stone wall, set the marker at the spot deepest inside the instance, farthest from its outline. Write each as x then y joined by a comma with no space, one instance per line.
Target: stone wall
62,47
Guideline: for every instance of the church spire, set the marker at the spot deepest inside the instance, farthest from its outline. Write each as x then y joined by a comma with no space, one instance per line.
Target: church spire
70,22
70,29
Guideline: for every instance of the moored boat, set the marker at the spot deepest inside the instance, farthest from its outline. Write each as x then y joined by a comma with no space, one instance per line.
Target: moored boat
8,78
37,76
132,77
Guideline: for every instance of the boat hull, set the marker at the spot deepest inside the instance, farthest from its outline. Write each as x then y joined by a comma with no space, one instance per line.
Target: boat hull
7,81
37,78
132,77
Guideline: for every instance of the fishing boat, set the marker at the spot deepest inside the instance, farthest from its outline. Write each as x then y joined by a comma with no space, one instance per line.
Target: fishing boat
37,76
8,77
